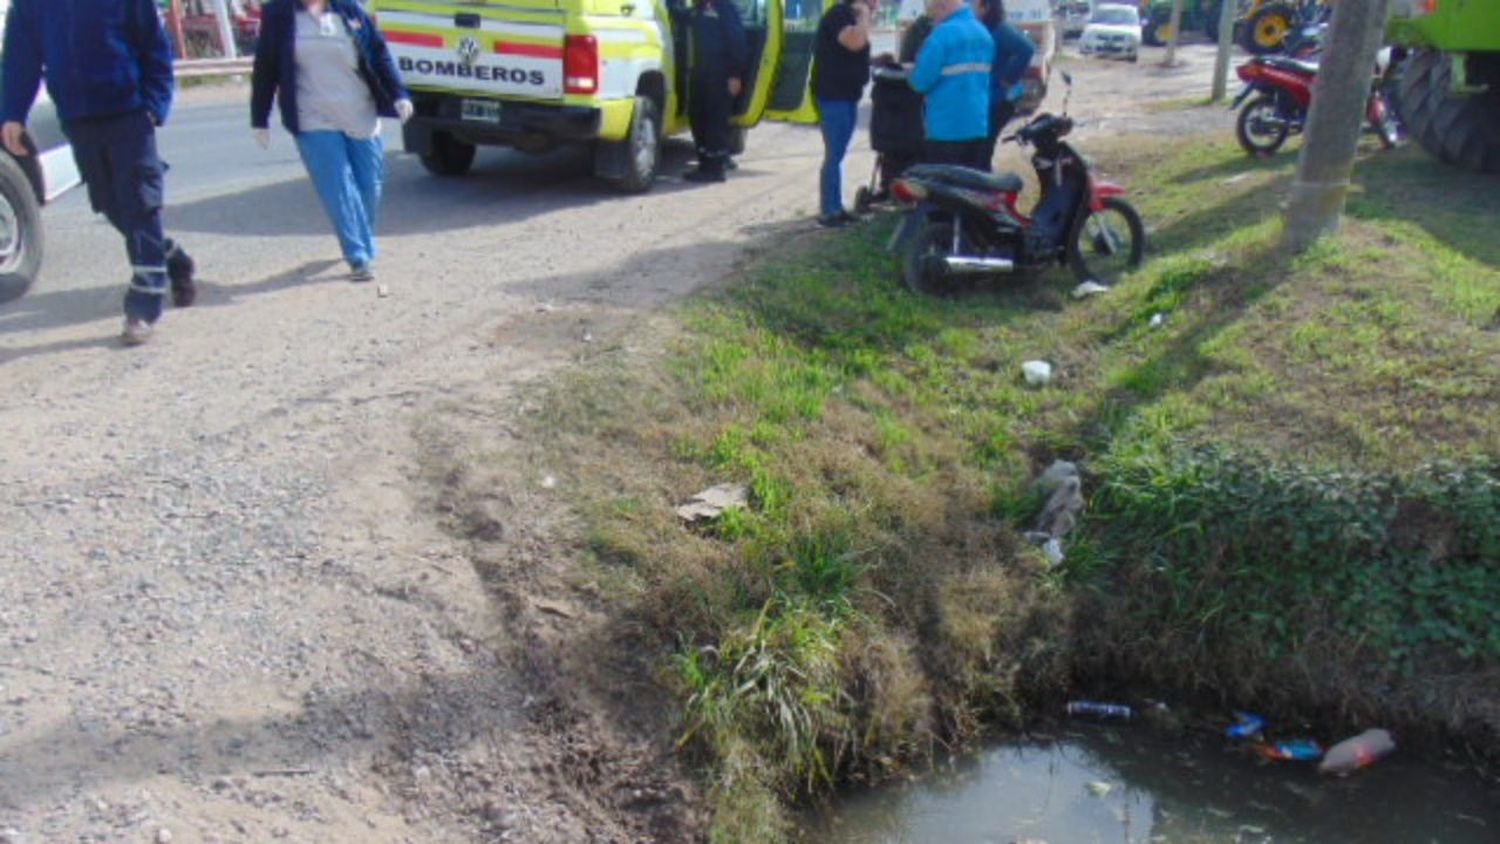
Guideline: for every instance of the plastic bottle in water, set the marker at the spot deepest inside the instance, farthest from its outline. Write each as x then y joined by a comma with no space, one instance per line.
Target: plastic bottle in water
1094,709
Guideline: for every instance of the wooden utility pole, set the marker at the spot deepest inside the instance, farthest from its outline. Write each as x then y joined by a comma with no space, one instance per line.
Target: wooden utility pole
1174,25
1333,127
1228,11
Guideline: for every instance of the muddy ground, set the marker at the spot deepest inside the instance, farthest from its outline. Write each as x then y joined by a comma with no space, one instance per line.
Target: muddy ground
237,604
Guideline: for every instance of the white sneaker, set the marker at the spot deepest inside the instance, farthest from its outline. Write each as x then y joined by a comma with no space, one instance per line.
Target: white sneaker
137,331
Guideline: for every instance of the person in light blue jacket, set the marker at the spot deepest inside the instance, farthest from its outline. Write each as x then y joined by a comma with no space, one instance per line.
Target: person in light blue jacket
953,73
108,67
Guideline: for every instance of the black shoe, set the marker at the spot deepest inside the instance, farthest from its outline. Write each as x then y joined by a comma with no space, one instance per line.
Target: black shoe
841,220
702,175
731,164
180,269
847,217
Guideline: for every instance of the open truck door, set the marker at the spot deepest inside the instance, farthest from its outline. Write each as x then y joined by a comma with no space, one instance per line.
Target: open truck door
783,37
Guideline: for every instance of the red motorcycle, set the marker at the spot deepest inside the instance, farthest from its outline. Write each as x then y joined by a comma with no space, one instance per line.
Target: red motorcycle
1283,88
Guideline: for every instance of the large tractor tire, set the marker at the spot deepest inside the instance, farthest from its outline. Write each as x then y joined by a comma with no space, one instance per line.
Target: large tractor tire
1460,130
1266,30
1158,29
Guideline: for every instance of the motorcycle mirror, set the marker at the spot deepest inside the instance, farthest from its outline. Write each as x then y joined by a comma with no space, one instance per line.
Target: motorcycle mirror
1067,78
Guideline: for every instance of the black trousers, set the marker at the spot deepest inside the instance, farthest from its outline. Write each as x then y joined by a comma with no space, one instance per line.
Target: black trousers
117,159
1000,114
963,153
709,107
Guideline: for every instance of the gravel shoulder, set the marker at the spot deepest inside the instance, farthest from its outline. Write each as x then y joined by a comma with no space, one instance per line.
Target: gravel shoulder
233,611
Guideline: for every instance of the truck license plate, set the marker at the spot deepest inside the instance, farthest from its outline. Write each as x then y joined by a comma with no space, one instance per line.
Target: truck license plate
483,111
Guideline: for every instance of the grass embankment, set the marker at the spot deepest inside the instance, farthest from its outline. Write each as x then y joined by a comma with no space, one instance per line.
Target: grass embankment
1293,482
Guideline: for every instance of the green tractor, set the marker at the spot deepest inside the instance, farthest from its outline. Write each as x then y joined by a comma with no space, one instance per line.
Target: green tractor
1448,83
1197,16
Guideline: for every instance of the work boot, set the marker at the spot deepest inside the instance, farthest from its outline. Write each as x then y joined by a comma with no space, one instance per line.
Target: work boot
136,332
180,269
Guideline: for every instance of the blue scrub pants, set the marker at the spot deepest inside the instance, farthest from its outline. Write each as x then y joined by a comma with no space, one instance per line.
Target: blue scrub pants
836,119
117,159
346,172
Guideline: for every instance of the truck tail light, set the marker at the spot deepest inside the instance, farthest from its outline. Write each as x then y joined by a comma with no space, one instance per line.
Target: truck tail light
580,64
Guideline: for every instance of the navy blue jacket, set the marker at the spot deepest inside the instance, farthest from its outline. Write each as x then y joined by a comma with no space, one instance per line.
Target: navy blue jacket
100,58
720,49
1013,52
275,74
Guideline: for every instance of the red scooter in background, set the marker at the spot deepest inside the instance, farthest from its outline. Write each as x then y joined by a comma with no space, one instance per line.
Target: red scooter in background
1283,88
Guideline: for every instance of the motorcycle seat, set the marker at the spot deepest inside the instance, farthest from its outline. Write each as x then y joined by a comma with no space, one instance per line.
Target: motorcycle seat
964,177
1294,65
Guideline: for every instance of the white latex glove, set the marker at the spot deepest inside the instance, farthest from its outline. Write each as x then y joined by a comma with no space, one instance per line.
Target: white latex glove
262,137
404,110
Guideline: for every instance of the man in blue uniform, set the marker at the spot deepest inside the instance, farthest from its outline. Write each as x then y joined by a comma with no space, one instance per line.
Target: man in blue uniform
720,63
108,66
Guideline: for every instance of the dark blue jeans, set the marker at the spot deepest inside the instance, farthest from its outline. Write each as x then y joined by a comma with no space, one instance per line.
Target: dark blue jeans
117,159
836,119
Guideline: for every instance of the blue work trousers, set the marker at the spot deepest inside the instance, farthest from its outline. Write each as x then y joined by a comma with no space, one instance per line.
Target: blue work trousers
117,159
836,119
347,172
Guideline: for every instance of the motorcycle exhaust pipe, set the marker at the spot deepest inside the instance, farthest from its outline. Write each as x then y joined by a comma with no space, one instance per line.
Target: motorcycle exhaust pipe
965,265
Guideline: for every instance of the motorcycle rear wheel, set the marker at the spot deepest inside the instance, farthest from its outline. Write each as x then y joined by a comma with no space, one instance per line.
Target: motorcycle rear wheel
1263,139
922,267
1097,246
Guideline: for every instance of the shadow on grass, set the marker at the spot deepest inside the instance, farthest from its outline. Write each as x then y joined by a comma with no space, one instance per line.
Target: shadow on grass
850,297
1456,207
1180,365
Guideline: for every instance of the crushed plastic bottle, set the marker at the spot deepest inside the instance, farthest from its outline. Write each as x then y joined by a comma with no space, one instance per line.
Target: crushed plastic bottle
1295,750
1094,709
1037,372
1362,750
1246,724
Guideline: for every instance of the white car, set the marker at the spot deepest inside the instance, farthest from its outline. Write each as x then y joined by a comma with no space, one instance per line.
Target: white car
1113,30
1074,16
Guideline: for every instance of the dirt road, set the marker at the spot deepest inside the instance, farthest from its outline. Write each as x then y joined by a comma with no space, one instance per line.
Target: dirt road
229,611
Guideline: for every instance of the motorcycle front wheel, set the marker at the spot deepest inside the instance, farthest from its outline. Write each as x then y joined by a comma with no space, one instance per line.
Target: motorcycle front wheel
923,268
1106,244
1260,129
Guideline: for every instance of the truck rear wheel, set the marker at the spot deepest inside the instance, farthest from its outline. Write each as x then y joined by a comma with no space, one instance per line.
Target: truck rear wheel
642,148
1460,130
449,156
20,230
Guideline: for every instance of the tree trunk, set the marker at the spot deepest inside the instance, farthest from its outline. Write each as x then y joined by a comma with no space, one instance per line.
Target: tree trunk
1175,25
1333,127
1227,13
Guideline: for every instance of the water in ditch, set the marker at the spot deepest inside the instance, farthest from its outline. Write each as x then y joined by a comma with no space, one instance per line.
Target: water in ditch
1124,785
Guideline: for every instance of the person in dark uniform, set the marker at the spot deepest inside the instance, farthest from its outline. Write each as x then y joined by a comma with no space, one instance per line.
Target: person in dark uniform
108,66
720,65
